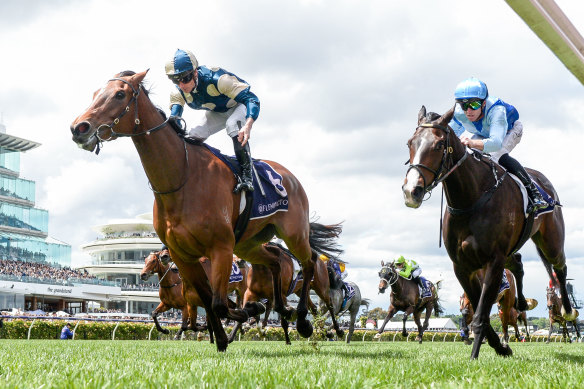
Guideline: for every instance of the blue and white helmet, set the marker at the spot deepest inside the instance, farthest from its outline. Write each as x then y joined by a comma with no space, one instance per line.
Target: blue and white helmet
181,64
471,88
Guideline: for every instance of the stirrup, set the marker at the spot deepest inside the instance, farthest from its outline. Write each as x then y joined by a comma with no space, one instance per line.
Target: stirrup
243,185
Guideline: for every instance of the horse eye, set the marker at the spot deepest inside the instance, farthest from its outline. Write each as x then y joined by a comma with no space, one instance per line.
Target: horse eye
440,145
120,95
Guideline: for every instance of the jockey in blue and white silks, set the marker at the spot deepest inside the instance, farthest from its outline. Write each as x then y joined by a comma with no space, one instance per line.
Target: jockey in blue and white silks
228,100
492,126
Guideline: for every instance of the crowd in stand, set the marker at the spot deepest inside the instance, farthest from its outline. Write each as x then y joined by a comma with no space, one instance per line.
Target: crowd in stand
41,271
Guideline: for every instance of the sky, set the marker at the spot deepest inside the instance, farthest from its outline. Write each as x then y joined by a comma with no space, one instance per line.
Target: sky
340,84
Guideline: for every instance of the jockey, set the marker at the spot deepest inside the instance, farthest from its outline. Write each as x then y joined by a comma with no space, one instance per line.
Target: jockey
555,284
227,99
490,125
338,274
409,269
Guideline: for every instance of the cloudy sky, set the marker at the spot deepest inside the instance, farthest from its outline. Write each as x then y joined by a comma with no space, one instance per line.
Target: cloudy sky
340,84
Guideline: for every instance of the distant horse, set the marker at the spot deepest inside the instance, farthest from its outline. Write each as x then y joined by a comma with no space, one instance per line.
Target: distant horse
505,300
405,296
515,318
352,305
554,304
484,219
195,209
171,294
260,286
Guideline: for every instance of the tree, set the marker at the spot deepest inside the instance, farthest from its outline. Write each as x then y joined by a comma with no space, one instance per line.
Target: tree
377,313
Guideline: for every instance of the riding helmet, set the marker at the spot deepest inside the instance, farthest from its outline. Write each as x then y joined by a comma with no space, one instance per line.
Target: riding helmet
181,64
471,88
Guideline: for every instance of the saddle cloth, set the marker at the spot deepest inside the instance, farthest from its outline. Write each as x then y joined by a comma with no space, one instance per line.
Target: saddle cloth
425,291
351,291
552,203
504,283
269,195
236,275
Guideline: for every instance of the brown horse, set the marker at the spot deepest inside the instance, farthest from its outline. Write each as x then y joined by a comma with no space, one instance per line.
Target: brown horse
405,296
484,220
554,305
260,286
515,318
195,209
506,300
172,294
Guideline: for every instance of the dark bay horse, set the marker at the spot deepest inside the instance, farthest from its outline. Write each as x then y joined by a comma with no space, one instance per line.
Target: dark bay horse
554,305
195,211
484,219
352,305
260,286
405,296
171,294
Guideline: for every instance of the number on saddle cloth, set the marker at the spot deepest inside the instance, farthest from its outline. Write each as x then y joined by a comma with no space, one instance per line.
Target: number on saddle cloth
236,275
425,291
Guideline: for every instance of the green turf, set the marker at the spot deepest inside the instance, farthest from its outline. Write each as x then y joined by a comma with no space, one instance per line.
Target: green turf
170,364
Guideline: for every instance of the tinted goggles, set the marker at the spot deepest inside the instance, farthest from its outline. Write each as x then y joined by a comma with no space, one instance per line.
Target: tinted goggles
186,78
472,104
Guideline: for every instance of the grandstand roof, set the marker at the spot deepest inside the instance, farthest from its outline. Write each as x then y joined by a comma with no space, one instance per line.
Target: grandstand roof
15,143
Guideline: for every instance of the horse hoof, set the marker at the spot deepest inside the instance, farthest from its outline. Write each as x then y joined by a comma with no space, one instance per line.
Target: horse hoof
288,314
505,351
304,328
164,331
419,339
254,308
531,304
329,335
377,336
222,345
467,341
340,333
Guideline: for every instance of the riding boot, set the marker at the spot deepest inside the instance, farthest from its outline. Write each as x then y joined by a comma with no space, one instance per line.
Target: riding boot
345,294
515,168
243,155
420,283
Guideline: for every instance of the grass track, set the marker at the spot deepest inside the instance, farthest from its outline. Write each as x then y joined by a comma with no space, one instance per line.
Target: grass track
167,364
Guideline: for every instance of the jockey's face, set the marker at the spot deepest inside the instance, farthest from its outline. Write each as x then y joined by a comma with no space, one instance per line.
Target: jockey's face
188,87
474,115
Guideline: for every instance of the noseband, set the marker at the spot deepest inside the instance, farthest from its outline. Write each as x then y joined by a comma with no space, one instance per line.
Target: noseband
134,99
440,174
393,277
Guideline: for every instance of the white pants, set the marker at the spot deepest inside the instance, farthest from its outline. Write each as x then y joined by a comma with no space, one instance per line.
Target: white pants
511,140
214,122
416,273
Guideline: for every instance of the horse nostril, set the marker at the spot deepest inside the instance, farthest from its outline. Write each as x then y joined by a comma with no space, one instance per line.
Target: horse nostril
80,128
417,192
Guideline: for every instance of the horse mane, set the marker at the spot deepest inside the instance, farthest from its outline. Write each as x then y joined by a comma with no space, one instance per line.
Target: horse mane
175,124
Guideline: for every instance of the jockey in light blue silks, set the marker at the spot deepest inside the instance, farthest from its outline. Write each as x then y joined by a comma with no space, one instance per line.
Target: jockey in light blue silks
492,126
228,100
338,275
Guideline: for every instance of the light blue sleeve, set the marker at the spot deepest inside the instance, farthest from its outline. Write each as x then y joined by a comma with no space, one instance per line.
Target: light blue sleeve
456,126
497,122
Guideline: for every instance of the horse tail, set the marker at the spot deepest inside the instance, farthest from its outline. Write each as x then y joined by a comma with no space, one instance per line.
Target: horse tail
438,285
364,302
323,239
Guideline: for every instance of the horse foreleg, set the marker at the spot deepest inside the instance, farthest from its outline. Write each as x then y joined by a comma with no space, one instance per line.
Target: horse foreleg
390,313
352,323
159,309
184,324
303,326
550,331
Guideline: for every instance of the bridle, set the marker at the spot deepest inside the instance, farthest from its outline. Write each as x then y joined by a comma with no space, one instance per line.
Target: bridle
442,172
165,273
113,134
392,276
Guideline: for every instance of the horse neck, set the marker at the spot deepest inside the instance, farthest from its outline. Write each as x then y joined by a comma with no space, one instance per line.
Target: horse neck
466,183
170,277
162,152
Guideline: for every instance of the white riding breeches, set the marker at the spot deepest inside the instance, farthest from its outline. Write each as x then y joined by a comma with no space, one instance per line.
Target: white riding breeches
511,140
214,122
416,273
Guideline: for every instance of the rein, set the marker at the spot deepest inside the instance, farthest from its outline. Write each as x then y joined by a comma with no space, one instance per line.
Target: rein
113,134
165,273
439,174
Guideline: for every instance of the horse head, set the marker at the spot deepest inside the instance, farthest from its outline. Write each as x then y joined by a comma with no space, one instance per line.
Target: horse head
152,264
387,276
431,151
112,113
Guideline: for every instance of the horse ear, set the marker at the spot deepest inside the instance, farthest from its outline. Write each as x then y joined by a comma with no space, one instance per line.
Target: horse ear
447,117
421,114
139,77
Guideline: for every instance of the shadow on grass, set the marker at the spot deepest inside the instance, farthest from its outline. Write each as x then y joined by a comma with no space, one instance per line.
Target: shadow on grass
307,350
579,359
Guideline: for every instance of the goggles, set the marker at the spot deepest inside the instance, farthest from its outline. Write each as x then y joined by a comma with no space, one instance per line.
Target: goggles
184,78
472,104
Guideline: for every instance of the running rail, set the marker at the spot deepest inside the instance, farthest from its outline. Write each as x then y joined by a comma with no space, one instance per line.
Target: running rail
553,27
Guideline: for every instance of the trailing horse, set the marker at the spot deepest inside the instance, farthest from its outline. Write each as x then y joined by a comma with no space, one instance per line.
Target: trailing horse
195,211
405,296
485,222
554,307
352,305
171,294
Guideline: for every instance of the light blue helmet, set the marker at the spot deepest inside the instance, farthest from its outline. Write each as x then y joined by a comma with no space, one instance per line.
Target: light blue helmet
182,63
471,88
